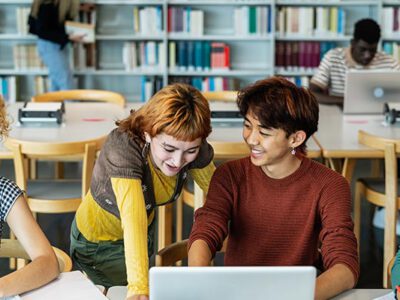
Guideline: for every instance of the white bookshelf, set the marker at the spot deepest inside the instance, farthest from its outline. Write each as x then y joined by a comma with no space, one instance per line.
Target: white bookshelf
252,55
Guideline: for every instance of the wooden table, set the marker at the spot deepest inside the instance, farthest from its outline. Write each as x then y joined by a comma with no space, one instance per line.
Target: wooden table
337,136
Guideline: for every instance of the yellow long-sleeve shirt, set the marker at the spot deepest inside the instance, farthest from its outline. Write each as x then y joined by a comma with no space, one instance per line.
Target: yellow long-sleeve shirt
96,224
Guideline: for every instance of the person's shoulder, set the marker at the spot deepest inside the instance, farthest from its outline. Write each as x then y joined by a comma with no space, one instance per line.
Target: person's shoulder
7,183
336,52
324,175
235,168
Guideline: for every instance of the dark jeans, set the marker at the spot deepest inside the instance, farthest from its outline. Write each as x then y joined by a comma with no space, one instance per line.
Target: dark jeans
103,262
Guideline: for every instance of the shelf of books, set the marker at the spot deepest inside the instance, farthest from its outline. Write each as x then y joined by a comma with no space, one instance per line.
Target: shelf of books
140,46
307,30
390,28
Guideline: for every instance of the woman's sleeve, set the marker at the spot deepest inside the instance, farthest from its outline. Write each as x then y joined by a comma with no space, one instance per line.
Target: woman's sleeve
203,176
131,204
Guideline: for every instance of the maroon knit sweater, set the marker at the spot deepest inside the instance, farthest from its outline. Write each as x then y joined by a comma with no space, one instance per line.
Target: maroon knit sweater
278,222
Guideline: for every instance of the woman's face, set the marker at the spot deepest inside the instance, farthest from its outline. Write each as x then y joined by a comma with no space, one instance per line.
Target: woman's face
171,155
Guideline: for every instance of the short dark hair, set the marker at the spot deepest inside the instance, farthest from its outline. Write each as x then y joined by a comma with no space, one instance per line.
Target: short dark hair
280,104
367,30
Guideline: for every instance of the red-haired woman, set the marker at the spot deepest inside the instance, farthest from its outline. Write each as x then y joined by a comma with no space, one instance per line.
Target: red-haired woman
15,211
143,164
279,207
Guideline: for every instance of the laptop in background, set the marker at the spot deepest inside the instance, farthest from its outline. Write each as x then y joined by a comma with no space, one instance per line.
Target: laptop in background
225,112
366,91
233,283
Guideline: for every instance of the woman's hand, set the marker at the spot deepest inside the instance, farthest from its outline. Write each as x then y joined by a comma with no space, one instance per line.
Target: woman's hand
76,38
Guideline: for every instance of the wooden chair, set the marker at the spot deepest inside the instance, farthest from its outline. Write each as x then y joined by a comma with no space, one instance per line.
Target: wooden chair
13,249
381,192
173,253
82,95
227,96
52,195
75,95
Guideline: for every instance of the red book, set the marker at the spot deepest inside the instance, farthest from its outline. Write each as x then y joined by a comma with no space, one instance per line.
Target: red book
227,53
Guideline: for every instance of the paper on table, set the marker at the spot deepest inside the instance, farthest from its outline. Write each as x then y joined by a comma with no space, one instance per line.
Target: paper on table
68,286
389,296
11,298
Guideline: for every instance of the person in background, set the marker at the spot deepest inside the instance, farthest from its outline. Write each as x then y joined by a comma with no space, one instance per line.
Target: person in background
143,164
278,207
328,82
47,21
15,211
395,278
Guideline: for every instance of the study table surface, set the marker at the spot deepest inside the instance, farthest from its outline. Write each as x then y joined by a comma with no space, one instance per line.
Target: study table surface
337,136
87,121
119,293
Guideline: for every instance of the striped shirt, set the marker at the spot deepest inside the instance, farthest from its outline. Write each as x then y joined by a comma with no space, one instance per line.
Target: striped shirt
331,73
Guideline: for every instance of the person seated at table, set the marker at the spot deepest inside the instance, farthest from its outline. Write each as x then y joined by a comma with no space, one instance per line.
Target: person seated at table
328,82
278,207
15,211
142,164
395,278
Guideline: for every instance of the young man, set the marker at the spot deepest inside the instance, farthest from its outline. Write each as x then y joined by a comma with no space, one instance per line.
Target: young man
329,81
278,207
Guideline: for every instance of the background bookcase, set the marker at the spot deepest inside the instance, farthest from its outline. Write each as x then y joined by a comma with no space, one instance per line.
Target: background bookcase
171,40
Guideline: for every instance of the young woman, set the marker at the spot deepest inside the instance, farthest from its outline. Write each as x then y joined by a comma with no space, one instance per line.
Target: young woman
15,211
279,207
142,164
47,19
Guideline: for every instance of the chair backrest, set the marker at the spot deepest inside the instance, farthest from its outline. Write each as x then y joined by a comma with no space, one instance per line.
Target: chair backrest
84,95
84,151
230,151
13,249
391,148
226,96
176,252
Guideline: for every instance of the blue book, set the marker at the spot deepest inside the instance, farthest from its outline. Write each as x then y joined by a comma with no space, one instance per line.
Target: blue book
197,82
341,20
207,55
182,55
143,88
190,56
211,83
188,16
269,13
198,56
159,20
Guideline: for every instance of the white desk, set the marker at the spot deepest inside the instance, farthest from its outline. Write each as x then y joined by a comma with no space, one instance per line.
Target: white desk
338,136
119,293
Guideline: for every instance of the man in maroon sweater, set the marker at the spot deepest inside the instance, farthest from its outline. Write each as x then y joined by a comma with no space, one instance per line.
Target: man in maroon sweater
279,207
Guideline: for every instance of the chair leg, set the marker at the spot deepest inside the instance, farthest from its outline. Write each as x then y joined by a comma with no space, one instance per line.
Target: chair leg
359,192
164,226
59,170
179,219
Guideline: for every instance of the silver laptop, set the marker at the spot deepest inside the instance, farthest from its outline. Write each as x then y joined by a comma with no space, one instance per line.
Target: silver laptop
225,112
366,91
233,283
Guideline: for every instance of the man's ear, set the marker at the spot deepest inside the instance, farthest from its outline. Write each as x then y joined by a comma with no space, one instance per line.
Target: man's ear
296,139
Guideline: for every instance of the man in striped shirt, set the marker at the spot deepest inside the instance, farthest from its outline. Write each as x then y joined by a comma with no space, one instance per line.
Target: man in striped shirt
329,81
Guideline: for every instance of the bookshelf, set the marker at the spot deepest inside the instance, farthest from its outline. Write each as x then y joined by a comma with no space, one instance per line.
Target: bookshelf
142,45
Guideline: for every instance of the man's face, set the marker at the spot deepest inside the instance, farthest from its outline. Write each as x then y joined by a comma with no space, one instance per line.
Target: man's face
362,52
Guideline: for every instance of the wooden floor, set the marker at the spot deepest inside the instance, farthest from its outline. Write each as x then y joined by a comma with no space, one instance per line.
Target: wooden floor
57,228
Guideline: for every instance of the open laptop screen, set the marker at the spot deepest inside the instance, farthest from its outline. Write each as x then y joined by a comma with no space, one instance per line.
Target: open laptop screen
366,91
233,283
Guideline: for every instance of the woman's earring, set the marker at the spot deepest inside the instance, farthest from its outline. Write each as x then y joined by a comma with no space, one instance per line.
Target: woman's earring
293,152
145,149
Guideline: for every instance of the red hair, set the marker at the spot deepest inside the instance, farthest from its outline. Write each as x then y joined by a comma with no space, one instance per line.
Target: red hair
178,110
